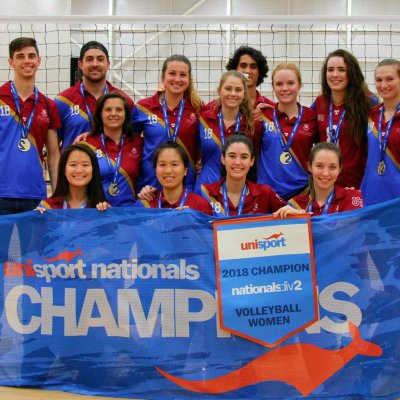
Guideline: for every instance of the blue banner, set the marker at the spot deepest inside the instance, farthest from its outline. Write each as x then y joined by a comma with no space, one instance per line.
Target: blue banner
124,304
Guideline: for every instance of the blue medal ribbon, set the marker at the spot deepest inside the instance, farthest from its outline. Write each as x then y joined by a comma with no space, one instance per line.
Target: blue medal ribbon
113,171
88,112
221,125
286,147
334,136
25,128
383,137
174,136
226,199
327,203
181,203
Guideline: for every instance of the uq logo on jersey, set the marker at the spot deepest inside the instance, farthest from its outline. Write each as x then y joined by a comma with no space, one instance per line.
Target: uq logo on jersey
274,240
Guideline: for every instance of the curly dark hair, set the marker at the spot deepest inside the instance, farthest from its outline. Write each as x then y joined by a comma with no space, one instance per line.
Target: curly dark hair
259,57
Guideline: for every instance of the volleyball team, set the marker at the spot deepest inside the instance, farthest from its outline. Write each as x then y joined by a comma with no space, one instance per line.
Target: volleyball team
239,154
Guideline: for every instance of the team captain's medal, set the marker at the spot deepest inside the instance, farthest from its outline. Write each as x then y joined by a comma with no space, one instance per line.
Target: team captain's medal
113,189
383,138
381,167
24,144
286,157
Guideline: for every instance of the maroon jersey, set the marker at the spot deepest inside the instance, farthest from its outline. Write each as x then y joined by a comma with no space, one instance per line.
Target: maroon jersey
343,200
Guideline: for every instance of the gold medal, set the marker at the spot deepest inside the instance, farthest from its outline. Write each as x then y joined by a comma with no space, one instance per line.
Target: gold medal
285,158
24,145
381,167
113,189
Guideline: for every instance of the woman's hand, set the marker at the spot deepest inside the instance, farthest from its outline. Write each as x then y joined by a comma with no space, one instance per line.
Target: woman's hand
102,206
40,209
257,112
285,211
81,138
147,193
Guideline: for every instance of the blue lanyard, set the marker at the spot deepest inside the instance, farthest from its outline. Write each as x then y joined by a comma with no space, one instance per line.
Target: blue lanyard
383,137
327,204
66,205
88,112
334,136
24,128
181,203
113,171
226,199
221,125
178,118
286,147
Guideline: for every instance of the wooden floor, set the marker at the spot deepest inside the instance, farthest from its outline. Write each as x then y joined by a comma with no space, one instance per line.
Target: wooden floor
7,393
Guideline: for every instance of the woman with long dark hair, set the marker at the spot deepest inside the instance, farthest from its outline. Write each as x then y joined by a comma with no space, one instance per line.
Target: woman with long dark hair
342,112
117,148
171,166
78,181
238,192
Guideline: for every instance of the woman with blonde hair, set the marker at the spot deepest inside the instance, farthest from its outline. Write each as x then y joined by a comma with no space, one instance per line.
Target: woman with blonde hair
289,132
170,114
229,114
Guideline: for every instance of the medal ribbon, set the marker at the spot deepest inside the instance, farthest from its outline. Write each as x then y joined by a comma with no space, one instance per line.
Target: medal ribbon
326,206
113,171
88,112
334,137
178,118
226,199
24,128
286,147
383,137
181,203
221,125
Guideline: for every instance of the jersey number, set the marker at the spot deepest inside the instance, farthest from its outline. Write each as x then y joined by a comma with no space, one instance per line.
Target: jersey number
5,111
152,118
74,110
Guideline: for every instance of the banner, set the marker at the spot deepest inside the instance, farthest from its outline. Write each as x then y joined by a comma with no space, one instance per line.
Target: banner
265,277
123,303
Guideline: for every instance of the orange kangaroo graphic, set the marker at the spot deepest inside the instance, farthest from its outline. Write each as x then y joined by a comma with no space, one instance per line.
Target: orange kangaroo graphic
274,236
304,366
66,255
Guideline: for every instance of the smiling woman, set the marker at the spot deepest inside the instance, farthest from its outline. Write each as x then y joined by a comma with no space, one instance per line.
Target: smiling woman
323,196
381,181
171,114
226,116
117,148
237,192
171,166
78,181
289,132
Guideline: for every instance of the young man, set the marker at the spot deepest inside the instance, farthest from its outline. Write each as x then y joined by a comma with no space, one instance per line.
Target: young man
254,65
77,104
28,121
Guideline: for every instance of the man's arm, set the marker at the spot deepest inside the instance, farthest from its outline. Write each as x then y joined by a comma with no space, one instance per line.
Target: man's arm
53,156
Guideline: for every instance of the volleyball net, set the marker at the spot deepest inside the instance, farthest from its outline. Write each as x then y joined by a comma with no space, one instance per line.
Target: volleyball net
137,50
